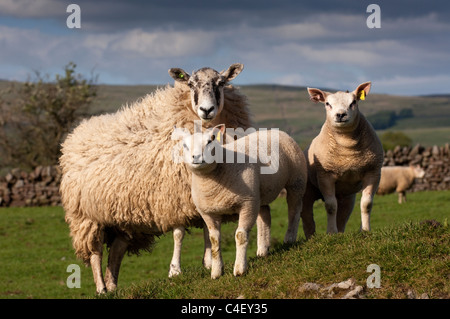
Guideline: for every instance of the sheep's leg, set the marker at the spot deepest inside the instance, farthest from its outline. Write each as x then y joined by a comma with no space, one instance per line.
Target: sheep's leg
345,208
370,186
294,201
307,214
401,197
207,251
213,223
175,264
96,265
247,218
263,223
327,187
116,253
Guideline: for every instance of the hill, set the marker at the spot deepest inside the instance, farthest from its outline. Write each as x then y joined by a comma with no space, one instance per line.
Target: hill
289,109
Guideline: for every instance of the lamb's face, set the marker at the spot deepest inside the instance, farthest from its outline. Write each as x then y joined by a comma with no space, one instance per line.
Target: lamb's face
207,88
342,109
199,150
418,171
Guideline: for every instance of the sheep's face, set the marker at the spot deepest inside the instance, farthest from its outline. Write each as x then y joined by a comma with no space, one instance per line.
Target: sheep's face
207,86
418,171
199,150
342,107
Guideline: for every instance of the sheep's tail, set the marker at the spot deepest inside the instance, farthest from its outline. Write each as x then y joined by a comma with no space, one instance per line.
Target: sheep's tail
87,238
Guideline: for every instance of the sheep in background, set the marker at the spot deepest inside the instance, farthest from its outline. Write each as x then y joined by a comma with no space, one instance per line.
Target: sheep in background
398,179
221,188
119,185
345,158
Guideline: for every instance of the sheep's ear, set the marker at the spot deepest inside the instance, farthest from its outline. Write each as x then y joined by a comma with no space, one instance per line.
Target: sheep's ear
179,75
362,90
232,72
317,95
218,133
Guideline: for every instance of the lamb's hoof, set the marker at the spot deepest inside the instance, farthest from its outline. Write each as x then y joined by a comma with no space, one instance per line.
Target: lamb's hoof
173,272
101,291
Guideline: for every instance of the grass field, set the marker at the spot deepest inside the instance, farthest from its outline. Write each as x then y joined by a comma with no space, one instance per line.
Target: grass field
35,251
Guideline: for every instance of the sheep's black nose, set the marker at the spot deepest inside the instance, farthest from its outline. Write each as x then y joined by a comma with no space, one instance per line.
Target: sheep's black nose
340,116
207,110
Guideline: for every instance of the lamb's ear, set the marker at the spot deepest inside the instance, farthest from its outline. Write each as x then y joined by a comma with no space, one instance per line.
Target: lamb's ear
362,90
179,75
317,95
232,72
218,133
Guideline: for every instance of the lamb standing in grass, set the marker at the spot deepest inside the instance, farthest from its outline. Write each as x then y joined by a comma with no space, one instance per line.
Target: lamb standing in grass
221,188
345,158
398,179
119,185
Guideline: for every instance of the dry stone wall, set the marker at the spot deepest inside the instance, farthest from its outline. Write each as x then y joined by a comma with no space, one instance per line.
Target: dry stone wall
41,186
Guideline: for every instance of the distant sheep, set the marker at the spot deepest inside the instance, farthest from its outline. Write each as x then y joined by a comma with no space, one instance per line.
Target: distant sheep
243,186
345,158
119,185
398,179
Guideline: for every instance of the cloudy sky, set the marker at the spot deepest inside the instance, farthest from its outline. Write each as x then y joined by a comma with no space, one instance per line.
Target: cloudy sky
309,43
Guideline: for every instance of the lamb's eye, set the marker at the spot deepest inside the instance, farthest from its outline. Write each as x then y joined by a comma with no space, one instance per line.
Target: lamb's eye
353,103
185,146
327,104
209,141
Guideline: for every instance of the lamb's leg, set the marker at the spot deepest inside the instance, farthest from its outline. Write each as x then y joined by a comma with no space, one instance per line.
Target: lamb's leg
295,205
370,186
116,253
327,187
401,197
263,223
247,218
175,264
307,214
345,208
96,265
207,251
213,224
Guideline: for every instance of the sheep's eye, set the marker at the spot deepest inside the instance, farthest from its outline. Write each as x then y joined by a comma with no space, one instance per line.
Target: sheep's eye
185,146
327,104
353,103
209,141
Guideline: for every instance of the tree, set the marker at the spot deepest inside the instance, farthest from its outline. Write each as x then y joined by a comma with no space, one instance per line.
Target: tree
36,115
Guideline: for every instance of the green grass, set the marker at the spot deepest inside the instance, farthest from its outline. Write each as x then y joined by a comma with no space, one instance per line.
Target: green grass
35,250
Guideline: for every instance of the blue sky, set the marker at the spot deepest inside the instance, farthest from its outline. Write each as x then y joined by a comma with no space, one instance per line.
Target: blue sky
308,43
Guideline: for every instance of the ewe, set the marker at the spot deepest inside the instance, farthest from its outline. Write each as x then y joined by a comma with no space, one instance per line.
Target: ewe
345,158
221,188
398,179
119,185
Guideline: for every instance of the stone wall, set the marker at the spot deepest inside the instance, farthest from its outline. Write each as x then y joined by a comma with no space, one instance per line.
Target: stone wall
434,160
38,188
41,187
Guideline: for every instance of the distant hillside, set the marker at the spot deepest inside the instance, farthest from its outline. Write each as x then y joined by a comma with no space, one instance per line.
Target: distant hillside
289,109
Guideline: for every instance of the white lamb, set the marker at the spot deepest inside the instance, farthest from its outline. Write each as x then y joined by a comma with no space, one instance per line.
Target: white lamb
221,188
398,179
345,158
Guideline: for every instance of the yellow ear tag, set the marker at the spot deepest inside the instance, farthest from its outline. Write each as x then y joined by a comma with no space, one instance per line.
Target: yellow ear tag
362,95
218,136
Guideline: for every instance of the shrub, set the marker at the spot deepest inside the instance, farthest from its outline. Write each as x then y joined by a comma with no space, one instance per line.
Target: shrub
36,115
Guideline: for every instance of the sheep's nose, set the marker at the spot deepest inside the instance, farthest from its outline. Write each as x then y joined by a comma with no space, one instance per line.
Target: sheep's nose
207,109
340,116
196,159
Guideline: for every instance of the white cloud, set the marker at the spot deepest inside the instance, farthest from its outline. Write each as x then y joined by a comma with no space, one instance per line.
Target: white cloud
32,8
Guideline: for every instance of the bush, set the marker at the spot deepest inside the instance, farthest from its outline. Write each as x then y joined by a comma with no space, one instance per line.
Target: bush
391,139
36,115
